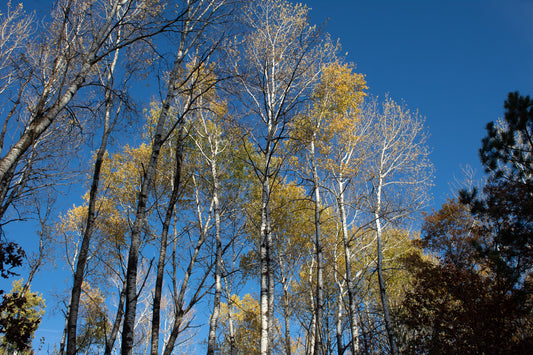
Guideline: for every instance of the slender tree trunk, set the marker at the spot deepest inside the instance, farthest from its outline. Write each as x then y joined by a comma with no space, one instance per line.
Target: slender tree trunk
318,346
179,299
338,329
382,288
178,319
352,307
91,214
271,284
232,345
265,268
286,305
156,308
64,337
140,215
286,316
264,254
310,342
340,301
211,347
110,342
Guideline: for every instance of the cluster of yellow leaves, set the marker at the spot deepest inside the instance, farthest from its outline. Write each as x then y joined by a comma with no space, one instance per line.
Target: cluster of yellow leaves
95,324
245,314
291,213
35,304
397,244
22,318
332,123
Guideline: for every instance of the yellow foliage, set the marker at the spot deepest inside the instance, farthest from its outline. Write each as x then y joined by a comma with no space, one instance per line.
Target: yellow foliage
245,314
332,123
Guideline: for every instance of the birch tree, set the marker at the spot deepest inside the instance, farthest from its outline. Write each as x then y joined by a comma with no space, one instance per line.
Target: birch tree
330,134
196,20
400,174
111,111
51,69
281,59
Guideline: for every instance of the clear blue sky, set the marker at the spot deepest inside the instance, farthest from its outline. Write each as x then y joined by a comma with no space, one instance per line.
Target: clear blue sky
453,60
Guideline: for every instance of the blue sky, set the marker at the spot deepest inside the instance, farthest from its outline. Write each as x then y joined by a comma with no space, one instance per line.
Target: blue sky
453,60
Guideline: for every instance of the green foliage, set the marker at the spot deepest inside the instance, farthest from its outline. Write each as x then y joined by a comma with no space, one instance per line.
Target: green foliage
505,209
20,315
506,150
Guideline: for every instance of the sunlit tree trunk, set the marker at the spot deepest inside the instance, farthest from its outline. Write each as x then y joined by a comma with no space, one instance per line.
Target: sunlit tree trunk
352,307
211,347
400,168
265,264
381,280
285,299
282,58
319,308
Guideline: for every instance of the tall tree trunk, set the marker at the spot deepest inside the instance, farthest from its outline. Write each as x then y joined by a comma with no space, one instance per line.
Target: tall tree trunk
140,215
310,341
267,281
318,346
156,308
382,289
218,263
339,281
91,214
64,337
352,307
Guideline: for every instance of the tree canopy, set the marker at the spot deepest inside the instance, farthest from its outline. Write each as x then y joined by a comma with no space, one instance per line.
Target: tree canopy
216,174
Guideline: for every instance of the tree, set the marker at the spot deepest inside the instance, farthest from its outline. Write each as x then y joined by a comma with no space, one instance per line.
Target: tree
46,72
292,231
96,325
478,291
245,313
336,132
458,304
16,30
399,166
20,314
506,150
51,69
506,154
282,58
109,122
197,19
